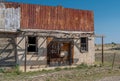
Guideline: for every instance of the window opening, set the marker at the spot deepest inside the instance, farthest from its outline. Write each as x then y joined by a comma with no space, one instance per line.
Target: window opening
32,44
84,44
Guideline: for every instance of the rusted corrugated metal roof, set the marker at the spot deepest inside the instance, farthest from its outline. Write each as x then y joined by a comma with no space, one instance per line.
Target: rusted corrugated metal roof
54,18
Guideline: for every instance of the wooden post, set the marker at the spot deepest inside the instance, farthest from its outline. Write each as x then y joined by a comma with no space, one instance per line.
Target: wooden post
102,50
70,52
25,53
15,46
113,60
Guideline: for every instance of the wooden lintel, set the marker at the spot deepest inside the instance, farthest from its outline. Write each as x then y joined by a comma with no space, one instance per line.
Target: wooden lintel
58,35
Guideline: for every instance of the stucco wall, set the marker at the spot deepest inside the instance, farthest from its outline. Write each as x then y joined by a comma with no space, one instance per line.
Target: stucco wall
21,52
84,57
34,61
39,60
7,51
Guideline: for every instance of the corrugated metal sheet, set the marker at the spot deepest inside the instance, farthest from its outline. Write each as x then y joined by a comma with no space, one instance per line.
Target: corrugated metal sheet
9,18
12,18
54,18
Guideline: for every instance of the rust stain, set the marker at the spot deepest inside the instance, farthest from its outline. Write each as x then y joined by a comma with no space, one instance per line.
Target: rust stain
54,18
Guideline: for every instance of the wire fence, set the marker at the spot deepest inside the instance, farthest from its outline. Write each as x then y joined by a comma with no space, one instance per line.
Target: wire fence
111,56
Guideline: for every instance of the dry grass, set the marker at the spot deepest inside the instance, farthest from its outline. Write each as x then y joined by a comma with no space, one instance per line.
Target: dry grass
80,73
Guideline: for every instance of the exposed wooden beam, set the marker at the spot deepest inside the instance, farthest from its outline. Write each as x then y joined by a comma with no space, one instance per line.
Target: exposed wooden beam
57,34
54,31
99,36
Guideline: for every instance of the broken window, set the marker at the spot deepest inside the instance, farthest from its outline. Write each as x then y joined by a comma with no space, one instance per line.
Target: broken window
84,44
32,44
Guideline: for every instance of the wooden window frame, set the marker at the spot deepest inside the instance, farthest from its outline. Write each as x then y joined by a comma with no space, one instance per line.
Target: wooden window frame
34,44
84,44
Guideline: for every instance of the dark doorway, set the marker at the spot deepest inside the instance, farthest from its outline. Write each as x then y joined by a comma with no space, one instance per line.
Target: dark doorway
59,52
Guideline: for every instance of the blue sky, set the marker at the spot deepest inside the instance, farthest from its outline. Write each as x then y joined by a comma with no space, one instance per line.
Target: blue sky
106,14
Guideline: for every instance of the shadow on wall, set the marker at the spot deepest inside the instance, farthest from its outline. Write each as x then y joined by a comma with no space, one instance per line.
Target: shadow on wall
7,52
77,44
76,60
34,58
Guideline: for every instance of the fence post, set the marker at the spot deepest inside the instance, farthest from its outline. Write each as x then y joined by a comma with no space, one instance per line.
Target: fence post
102,51
113,60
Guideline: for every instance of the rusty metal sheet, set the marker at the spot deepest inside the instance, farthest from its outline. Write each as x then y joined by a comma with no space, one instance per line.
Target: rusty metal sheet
53,18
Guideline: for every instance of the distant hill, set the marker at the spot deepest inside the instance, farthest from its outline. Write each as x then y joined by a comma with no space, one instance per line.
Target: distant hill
108,46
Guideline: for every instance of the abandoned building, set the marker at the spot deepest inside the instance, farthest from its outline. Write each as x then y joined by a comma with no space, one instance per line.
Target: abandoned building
36,36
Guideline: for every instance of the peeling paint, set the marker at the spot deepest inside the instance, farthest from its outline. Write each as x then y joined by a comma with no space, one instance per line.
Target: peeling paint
9,18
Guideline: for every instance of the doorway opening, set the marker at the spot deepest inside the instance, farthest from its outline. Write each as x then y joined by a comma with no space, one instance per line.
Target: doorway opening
60,52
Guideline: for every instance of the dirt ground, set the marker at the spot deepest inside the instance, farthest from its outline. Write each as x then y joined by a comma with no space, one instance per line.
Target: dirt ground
96,73
113,78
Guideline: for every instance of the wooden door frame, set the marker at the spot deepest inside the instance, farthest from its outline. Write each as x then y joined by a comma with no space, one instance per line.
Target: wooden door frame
71,49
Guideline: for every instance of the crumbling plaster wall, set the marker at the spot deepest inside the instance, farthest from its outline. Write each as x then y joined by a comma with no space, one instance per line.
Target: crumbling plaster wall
7,50
34,61
87,57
